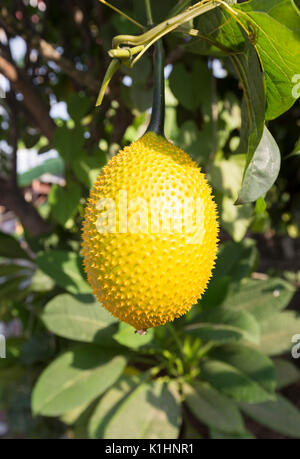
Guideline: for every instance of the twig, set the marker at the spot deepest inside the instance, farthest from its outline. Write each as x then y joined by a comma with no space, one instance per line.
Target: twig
32,100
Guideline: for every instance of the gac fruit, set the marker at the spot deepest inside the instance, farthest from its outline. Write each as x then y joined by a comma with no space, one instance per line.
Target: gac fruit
150,233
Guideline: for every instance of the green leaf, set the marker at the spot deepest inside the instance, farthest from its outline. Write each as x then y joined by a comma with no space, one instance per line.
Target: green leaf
81,318
197,143
236,260
10,247
262,170
64,201
296,150
279,415
53,166
87,168
127,336
14,288
226,176
218,34
189,95
253,106
240,372
78,105
150,411
212,408
65,268
286,373
219,324
277,331
260,205
76,377
68,142
216,292
75,416
273,27
260,297
219,435
109,404
235,219
41,282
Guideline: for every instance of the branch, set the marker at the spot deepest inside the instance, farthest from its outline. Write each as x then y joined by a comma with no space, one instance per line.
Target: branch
12,198
48,52
14,137
32,100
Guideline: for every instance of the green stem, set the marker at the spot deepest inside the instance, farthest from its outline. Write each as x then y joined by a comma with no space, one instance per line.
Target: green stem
157,120
148,12
177,340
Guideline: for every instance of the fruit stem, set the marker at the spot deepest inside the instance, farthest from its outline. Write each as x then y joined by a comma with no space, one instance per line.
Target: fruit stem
157,120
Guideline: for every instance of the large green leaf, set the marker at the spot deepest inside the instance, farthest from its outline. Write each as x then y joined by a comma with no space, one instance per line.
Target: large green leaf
87,168
150,411
279,415
273,27
64,201
260,297
76,377
196,142
10,247
81,318
236,260
262,170
127,336
213,408
188,94
65,268
253,106
219,324
241,372
226,176
277,331
78,105
286,372
218,34
109,404
41,282
216,292
68,142
235,219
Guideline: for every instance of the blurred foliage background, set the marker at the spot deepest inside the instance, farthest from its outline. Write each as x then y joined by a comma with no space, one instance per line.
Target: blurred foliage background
216,372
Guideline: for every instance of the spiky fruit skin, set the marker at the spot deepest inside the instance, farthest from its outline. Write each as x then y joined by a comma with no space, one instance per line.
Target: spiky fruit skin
148,278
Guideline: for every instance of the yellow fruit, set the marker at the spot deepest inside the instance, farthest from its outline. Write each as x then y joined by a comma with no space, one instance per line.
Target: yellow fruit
145,266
